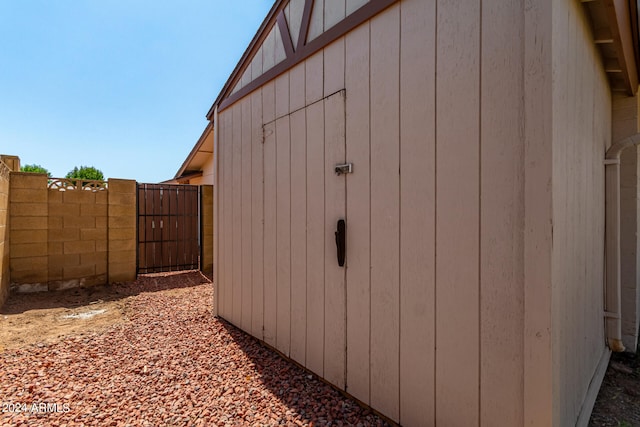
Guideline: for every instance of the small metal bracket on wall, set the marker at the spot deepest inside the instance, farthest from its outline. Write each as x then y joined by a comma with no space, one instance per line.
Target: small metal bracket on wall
344,168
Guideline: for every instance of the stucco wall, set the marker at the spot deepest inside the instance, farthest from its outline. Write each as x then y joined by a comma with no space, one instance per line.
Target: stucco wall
581,134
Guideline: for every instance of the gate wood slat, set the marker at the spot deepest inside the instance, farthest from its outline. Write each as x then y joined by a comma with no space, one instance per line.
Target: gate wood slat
168,231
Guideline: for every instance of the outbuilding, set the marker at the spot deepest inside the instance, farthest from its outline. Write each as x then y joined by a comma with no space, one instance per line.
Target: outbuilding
410,201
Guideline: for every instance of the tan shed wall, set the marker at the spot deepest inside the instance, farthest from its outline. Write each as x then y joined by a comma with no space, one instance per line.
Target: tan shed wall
581,135
472,293
438,169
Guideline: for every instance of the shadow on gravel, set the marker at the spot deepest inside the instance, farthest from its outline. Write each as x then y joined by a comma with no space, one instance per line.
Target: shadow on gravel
303,392
79,297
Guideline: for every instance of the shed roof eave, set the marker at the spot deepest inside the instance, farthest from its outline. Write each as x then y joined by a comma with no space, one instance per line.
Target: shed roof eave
255,41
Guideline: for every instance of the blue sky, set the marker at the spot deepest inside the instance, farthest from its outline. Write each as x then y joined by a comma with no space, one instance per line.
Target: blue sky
122,85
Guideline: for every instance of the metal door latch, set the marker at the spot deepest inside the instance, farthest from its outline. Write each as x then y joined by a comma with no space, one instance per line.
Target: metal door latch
344,168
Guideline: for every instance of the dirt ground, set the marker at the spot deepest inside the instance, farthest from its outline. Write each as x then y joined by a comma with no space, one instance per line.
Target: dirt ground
44,318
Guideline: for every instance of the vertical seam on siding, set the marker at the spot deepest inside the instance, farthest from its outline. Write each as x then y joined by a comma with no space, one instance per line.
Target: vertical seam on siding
435,219
480,218
369,153
522,198
306,217
263,212
251,212
346,218
324,228
399,211
240,237
290,251
275,205
306,237
306,189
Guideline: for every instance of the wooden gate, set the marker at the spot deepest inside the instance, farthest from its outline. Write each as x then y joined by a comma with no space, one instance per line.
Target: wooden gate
168,228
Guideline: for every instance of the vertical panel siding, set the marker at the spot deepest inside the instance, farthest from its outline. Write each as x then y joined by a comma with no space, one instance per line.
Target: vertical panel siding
358,211
269,200
270,235
246,161
334,319
298,236
236,185
295,18
417,196
334,67
502,215
283,233
228,209
269,50
297,87
317,20
314,80
537,125
457,215
220,210
436,251
353,5
385,215
282,95
334,12
315,238
257,216
578,255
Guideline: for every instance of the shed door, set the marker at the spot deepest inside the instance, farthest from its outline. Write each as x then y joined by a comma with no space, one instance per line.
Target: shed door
304,198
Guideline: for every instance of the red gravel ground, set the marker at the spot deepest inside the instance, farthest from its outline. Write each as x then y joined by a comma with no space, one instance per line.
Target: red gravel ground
171,363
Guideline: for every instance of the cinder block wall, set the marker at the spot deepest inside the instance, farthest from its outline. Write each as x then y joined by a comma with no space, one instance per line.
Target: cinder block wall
206,230
122,238
64,239
77,243
4,234
29,263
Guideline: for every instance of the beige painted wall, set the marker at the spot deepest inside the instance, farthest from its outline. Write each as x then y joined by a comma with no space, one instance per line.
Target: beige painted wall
581,135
